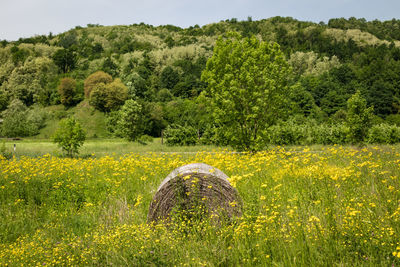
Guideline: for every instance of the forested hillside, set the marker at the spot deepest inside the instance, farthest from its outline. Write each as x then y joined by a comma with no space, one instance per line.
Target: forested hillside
160,69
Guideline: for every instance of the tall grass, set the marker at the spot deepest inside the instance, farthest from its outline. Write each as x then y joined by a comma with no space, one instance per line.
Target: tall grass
340,206
96,147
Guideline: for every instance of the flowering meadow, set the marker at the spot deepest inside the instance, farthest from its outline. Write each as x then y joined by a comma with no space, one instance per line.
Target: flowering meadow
335,206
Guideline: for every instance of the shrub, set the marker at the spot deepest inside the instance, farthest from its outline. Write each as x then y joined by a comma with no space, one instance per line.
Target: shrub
307,132
112,123
384,134
393,119
69,136
177,135
145,139
19,121
287,133
330,134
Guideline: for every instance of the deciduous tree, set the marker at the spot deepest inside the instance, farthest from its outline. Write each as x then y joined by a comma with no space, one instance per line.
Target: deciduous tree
67,91
95,79
247,85
108,97
131,120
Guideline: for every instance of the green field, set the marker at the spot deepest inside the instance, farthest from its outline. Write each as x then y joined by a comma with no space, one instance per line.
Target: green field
96,147
331,206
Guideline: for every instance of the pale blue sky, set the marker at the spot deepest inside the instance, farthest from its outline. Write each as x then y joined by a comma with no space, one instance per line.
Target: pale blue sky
25,18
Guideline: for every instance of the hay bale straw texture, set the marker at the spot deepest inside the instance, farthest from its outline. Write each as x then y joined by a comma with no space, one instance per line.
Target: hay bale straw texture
195,184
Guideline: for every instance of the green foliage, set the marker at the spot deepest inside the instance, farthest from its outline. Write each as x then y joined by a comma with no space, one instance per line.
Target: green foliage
164,95
19,121
65,59
130,120
69,136
247,83
67,91
393,119
29,81
19,55
384,134
110,67
145,139
358,118
177,135
297,131
94,79
169,78
108,97
3,101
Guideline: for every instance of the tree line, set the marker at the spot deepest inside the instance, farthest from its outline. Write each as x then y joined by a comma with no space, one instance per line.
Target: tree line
160,69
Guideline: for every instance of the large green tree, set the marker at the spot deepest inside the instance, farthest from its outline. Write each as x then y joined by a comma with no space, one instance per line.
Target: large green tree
247,84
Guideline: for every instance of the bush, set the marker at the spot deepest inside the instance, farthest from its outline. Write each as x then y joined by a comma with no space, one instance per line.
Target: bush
145,139
359,118
19,121
330,134
69,136
393,119
287,133
384,134
307,132
177,135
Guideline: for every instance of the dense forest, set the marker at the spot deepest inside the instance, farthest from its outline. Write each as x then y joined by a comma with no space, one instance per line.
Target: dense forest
154,75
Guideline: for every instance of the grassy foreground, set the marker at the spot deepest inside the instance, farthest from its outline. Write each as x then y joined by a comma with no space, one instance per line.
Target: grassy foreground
340,206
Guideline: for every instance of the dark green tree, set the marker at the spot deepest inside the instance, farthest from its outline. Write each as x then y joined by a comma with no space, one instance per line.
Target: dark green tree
65,59
169,78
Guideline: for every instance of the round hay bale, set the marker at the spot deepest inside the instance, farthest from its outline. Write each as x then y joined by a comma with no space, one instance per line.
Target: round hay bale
192,187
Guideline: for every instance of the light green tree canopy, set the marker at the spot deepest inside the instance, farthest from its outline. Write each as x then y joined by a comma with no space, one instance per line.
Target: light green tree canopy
247,85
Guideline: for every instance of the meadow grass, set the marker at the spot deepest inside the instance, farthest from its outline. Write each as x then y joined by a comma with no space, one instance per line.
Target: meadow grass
97,147
336,206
